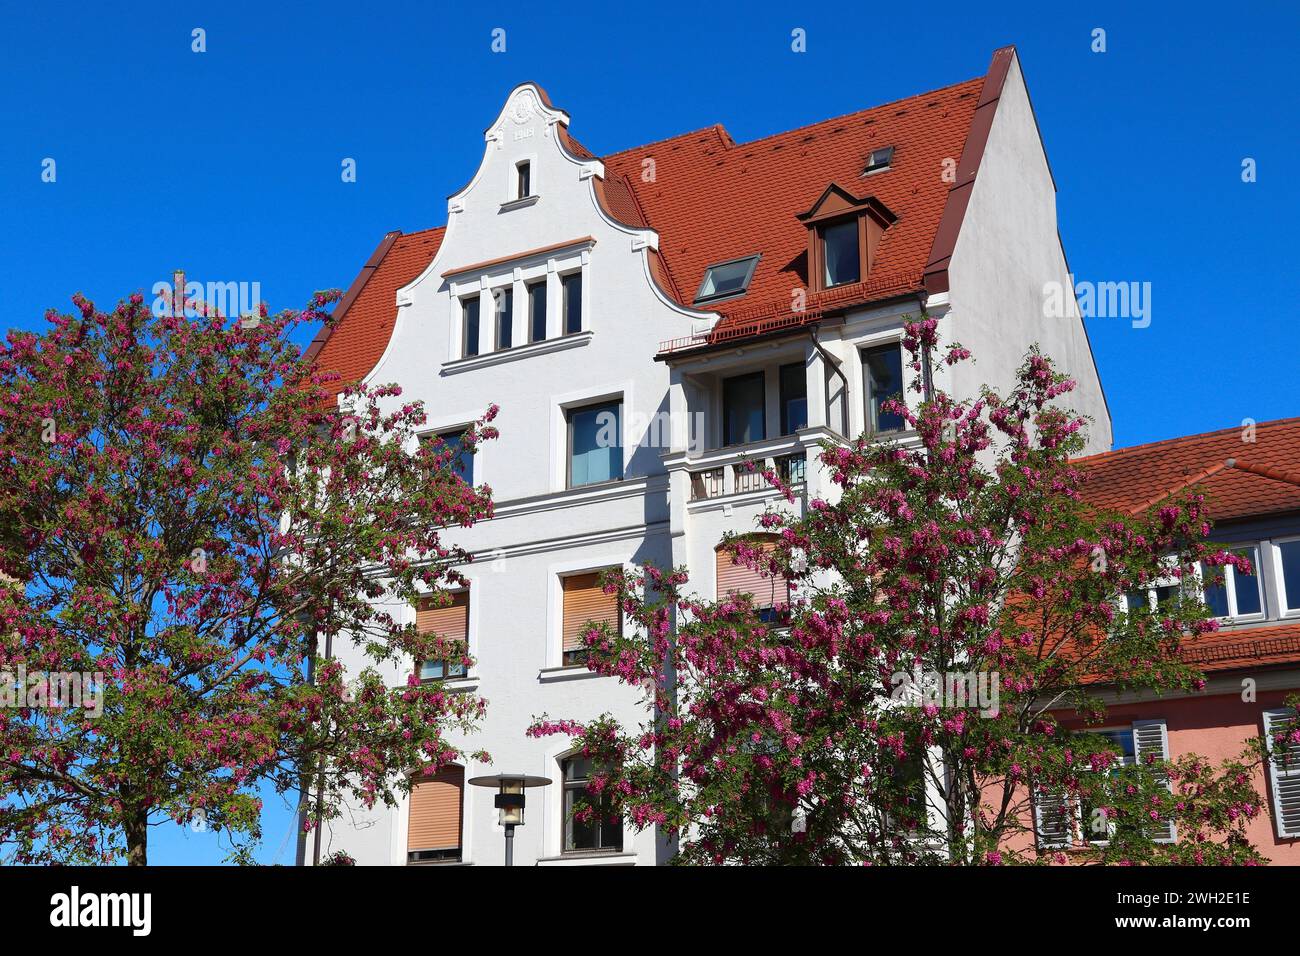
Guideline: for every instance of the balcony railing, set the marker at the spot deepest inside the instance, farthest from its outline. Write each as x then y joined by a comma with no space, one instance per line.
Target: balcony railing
706,484
792,469
740,469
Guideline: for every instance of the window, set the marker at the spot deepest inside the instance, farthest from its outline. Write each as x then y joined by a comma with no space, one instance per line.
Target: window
1288,553
450,621
879,159
1094,826
524,180
840,255
571,290
844,233
1137,601
504,300
1284,770
883,373
1239,594
734,578
794,398
537,311
434,825
1059,819
595,444
462,461
1156,597
469,326
585,602
600,828
726,279
744,418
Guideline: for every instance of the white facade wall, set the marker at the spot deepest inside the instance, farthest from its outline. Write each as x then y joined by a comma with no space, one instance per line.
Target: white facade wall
543,530
1007,251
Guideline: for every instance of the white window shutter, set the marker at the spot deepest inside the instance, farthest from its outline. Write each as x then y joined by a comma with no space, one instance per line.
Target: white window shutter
1053,819
1151,738
1284,772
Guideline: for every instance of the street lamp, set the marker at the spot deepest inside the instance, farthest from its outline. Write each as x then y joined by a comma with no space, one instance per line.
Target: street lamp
509,802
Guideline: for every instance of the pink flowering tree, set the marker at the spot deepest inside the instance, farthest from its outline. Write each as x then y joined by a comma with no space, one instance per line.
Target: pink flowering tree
951,607
190,530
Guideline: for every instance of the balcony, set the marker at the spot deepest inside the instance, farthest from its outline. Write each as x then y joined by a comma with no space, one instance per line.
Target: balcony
739,469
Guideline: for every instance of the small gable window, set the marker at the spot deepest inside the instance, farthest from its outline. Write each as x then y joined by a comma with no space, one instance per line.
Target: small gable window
844,233
840,253
879,159
524,180
726,279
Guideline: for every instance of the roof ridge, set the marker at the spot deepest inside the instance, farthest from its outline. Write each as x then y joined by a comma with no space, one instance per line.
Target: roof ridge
667,139
856,113
1178,439
732,144
1264,471
420,232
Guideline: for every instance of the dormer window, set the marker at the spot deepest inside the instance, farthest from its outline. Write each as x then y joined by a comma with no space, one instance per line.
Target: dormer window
841,257
726,279
524,180
843,235
879,159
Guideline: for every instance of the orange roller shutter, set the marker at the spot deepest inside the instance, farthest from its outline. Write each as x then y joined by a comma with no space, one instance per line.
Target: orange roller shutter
585,601
735,578
436,811
450,622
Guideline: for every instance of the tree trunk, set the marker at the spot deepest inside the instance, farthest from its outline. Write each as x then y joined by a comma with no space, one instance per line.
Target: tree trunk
136,825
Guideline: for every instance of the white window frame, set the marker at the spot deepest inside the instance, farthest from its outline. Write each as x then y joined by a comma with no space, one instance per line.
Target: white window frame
1167,580
1230,583
512,186
1283,599
581,273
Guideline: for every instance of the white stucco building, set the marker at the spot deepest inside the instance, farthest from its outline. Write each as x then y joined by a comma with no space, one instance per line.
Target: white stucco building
720,301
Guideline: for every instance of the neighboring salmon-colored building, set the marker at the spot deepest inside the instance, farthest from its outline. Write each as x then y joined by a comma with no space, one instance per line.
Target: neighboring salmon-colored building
1252,663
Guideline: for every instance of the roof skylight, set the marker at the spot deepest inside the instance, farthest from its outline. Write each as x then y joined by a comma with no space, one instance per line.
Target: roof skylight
879,159
726,279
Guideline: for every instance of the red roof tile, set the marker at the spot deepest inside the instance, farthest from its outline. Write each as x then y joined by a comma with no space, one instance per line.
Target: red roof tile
1264,477
369,310
712,200
1248,647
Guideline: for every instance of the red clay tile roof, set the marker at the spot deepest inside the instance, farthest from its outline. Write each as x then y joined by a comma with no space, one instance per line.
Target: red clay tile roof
1242,479
712,200
1264,477
1249,647
368,311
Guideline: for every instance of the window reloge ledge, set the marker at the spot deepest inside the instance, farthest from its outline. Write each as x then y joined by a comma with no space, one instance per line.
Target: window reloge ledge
571,341
520,203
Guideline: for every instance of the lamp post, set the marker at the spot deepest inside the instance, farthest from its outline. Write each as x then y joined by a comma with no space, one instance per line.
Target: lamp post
509,802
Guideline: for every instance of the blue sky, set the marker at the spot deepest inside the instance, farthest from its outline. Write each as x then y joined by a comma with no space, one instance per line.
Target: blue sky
227,163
